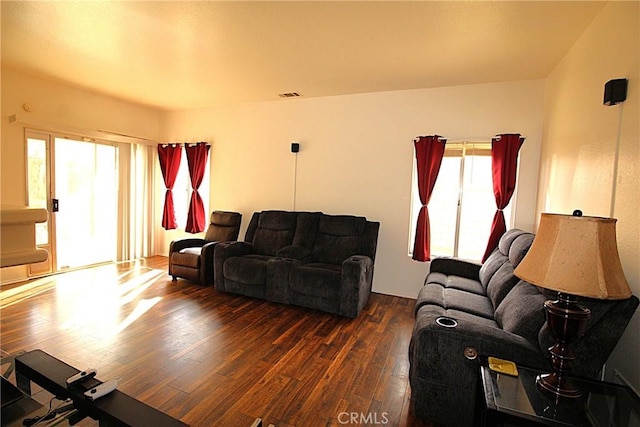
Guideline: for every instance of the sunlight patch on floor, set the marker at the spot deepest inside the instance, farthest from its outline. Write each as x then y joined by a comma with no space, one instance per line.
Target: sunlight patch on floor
22,292
99,301
102,308
141,308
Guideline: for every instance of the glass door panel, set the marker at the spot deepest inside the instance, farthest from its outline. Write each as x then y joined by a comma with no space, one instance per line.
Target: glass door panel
86,196
38,183
38,186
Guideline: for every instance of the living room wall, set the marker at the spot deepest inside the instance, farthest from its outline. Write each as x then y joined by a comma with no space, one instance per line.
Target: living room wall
584,141
356,156
356,151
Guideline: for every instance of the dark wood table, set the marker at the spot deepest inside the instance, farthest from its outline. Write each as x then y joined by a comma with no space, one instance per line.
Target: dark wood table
518,401
114,409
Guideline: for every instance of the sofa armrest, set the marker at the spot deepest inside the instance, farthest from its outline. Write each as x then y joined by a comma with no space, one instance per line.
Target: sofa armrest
440,374
231,249
455,266
206,258
223,251
178,245
300,253
357,279
487,340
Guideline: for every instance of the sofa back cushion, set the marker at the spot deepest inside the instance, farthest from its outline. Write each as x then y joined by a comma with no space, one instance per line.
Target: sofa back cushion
306,229
275,230
223,226
338,238
522,311
496,274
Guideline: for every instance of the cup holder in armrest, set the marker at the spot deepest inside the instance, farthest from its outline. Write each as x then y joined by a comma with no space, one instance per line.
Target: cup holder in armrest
446,322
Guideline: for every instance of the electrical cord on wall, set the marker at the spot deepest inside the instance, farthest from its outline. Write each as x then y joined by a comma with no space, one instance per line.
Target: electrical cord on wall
295,179
616,161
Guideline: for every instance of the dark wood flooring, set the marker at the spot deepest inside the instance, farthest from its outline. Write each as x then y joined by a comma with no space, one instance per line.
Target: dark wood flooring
216,359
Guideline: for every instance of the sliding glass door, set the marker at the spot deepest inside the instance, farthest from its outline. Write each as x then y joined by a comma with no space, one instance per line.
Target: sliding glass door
77,181
85,203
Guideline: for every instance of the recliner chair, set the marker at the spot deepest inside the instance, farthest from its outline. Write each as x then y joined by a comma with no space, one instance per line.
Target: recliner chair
192,258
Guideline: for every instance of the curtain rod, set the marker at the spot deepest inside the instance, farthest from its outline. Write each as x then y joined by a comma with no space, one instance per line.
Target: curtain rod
70,130
471,139
124,135
181,144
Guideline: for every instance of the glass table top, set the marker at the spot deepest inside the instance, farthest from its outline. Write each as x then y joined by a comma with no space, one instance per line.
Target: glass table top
602,403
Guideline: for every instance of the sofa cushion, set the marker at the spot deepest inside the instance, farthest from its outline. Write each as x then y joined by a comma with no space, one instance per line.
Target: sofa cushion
490,266
519,248
249,269
275,231
223,226
339,237
342,225
502,281
522,241
192,251
318,280
454,299
295,252
496,274
478,320
455,282
522,311
306,229
186,259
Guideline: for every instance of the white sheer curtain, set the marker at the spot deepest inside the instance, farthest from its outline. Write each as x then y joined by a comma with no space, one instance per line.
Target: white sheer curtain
137,169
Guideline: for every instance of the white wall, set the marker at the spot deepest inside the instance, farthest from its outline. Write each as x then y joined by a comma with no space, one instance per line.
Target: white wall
56,106
356,151
578,160
356,156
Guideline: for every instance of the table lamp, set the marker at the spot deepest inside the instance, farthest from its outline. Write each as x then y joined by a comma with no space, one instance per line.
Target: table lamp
574,255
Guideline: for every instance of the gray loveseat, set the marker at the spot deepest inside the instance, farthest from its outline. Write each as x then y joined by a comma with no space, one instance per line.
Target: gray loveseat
309,259
495,314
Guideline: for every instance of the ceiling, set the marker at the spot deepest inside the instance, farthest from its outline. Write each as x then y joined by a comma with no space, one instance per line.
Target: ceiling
180,55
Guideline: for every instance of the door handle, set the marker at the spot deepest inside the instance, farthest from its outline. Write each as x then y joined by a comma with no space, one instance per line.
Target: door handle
54,205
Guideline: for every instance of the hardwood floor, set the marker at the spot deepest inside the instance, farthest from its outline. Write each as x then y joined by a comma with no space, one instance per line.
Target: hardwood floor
216,359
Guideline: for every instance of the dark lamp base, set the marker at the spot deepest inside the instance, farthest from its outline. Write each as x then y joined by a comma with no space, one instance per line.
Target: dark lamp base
567,320
558,386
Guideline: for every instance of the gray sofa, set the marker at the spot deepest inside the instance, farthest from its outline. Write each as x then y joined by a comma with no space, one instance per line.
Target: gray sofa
496,314
309,259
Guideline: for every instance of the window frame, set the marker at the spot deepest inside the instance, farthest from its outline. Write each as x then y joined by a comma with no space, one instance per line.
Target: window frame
182,190
459,149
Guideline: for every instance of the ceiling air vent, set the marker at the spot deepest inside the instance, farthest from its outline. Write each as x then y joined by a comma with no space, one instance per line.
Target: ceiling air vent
289,95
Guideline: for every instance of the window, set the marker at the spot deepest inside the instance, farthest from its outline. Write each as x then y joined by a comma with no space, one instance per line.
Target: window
182,192
462,204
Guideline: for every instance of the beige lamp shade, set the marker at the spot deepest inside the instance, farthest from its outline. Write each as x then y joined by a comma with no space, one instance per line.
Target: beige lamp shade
576,255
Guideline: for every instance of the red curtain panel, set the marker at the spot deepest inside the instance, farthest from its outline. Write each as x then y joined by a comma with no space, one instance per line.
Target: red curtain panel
504,165
197,157
169,156
429,153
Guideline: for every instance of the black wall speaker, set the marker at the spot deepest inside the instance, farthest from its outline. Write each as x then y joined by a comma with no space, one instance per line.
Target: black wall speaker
615,91
295,147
